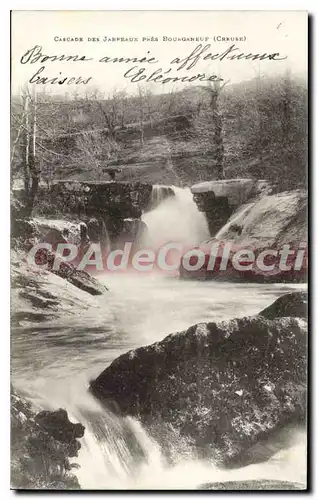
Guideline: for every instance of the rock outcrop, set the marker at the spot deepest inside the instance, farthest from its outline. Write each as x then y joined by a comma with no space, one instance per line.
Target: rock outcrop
51,232
41,445
222,385
38,295
94,198
293,304
267,223
79,278
110,201
219,199
95,203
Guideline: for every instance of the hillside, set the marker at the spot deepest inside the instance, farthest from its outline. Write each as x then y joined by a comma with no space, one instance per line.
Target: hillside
170,138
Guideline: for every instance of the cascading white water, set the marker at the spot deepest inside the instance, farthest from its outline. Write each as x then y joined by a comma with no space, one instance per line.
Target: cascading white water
117,452
176,219
158,194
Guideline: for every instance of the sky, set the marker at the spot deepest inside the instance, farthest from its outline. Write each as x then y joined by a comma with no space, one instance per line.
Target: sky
263,31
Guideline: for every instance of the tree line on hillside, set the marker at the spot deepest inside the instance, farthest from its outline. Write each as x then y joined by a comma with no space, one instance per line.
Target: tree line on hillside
252,129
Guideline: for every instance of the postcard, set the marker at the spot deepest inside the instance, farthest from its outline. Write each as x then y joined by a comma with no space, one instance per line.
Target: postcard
159,229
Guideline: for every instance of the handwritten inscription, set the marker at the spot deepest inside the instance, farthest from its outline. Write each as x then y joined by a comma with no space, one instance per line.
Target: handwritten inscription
232,53
137,73
35,55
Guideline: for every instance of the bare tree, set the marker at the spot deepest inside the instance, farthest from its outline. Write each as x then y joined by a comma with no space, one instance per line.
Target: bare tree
214,90
33,163
211,125
112,108
26,141
141,103
286,105
94,150
27,133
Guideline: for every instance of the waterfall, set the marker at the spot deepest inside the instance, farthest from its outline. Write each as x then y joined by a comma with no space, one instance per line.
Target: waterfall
176,219
119,448
118,453
159,193
105,237
55,362
54,365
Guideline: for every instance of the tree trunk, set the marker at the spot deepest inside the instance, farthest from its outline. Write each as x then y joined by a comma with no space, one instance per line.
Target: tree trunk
260,123
217,137
141,127
141,116
26,145
286,119
32,162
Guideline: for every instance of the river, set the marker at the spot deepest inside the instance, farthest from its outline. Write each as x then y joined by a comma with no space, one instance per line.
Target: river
54,362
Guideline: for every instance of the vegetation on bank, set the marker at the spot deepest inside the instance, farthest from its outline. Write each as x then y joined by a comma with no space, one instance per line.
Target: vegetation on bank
252,129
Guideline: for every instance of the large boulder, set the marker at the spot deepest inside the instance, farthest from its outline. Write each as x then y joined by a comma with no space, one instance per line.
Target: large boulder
47,228
270,223
235,190
293,304
38,295
222,385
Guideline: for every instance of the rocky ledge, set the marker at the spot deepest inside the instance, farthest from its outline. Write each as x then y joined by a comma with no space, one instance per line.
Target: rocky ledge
105,207
219,199
223,386
268,223
39,295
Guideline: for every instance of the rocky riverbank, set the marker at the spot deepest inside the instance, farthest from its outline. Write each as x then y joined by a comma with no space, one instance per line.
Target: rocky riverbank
265,223
39,295
110,202
42,444
220,199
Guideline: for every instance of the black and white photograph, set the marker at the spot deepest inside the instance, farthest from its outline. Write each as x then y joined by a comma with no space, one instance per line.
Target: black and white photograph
159,250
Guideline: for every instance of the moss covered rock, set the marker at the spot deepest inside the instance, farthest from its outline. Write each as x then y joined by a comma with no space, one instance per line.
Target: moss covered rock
41,445
223,385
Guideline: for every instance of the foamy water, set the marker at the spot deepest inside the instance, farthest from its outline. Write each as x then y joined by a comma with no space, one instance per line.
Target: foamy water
53,363
176,219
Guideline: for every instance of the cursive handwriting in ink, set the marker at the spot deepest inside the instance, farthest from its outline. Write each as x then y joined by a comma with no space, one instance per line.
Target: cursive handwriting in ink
137,71
145,59
232,53
35,55
137,74
69,80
